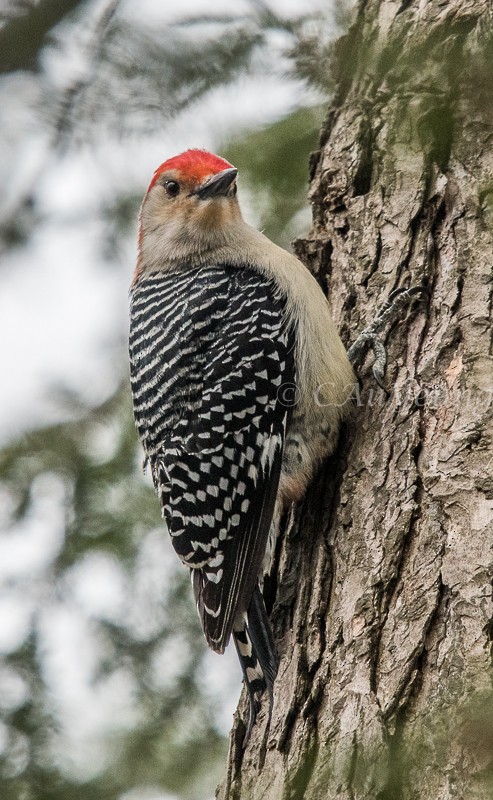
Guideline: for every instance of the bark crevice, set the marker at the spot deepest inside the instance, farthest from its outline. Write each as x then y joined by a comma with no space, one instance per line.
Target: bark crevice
383,607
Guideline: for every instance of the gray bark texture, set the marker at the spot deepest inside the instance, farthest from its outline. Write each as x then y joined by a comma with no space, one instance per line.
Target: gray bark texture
383,610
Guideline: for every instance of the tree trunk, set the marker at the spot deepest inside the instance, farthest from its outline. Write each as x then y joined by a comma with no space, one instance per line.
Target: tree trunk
383,613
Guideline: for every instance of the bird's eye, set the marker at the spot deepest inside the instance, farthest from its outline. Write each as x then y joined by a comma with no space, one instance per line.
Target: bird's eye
172,188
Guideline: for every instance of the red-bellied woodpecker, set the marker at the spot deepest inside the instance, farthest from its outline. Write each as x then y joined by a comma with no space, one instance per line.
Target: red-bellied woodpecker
239,384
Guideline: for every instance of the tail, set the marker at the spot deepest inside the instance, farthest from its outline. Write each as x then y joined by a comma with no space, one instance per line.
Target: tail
257,654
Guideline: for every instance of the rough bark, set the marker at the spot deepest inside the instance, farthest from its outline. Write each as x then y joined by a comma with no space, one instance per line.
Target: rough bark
383,613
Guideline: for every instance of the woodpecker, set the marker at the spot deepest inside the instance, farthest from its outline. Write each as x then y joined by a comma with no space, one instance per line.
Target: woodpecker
239,381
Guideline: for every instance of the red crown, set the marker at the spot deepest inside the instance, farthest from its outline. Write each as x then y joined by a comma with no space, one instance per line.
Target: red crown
195,165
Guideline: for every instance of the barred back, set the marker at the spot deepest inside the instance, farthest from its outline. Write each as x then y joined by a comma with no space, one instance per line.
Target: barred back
210,352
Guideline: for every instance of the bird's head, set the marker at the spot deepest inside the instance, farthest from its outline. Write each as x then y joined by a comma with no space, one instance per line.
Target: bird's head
190,209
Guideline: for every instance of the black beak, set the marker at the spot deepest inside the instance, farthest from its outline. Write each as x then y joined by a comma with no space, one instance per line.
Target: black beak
218,185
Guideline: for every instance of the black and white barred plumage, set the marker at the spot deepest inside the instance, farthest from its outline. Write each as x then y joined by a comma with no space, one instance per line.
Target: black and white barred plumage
240,382
210,351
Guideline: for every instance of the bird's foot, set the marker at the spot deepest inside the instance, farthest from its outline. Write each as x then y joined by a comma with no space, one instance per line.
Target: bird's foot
370,337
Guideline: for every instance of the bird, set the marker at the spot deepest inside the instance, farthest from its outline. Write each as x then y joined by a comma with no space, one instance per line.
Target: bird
239,382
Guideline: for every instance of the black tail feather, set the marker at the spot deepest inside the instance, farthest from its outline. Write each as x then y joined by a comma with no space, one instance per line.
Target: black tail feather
257,654
263,642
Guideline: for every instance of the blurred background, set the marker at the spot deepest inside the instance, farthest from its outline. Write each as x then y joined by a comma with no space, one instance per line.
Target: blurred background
106,687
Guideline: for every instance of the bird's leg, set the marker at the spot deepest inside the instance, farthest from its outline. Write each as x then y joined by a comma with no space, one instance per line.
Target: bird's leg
370,337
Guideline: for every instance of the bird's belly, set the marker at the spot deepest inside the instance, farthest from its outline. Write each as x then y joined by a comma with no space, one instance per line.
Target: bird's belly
311,437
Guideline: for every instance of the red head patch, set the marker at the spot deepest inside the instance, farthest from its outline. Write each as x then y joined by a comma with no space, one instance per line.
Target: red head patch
194,165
